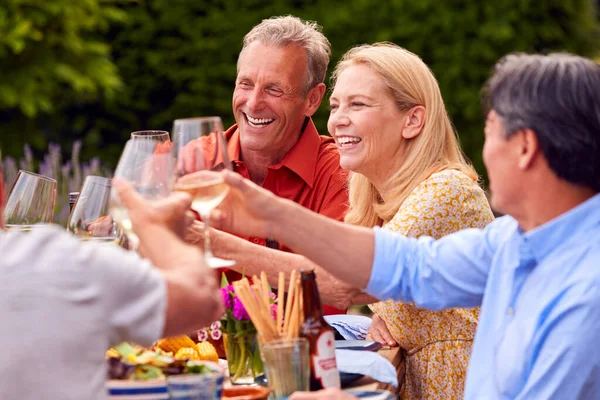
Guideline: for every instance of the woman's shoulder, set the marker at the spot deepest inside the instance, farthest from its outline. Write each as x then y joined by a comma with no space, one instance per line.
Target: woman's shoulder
445,185
448,197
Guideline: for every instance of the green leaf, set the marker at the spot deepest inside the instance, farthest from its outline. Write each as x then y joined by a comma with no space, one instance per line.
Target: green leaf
224,281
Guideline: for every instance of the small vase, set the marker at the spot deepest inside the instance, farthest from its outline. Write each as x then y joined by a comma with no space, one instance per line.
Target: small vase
243,355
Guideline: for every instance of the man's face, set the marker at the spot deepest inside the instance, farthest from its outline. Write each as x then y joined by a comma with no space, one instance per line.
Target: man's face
501,159
268,102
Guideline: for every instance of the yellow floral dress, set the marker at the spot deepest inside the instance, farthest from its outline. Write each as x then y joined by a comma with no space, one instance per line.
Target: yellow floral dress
437,344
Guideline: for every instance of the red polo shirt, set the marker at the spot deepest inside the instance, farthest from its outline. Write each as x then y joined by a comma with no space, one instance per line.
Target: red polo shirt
310,175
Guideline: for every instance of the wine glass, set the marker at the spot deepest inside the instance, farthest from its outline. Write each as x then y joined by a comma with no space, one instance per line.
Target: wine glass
159,136
90,219
201,152
148,167
30,201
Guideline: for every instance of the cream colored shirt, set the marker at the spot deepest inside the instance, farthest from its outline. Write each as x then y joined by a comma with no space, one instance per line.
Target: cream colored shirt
63,303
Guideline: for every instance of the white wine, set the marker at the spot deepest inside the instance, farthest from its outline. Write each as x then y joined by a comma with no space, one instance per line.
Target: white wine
100,239
207,189
121,216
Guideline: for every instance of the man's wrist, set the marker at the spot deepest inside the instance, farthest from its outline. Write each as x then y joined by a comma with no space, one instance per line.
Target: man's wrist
279,215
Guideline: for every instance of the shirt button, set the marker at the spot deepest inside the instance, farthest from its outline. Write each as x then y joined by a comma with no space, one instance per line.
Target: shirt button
510,312
256,240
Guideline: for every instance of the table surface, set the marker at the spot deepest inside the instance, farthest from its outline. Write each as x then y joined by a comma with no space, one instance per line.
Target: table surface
393,355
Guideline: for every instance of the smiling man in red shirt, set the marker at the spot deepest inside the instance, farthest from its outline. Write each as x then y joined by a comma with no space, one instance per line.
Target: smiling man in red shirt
279,86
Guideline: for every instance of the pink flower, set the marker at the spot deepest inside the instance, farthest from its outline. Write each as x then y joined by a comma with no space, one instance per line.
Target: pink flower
227,292
215,326
239,311
274,311
216,334
202,335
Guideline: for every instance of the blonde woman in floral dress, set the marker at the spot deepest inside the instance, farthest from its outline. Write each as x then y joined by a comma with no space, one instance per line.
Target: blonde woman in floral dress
409,176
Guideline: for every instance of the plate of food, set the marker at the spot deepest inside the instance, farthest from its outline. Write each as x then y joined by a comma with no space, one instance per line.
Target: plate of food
136,372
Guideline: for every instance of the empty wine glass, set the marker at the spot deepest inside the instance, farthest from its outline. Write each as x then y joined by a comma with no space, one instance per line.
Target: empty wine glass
90,219
148,167
201,151
30,201
159,136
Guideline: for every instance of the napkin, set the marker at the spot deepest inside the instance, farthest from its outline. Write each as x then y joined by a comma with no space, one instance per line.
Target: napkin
367,363
351,327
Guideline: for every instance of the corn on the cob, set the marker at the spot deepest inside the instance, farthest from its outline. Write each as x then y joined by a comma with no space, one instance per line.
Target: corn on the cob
173,344
187,352
207,351
112,353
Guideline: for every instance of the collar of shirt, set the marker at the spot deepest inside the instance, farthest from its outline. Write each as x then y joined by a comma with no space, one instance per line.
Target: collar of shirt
549,236
301,159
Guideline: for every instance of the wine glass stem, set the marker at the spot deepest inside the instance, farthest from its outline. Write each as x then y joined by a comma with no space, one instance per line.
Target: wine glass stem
206,219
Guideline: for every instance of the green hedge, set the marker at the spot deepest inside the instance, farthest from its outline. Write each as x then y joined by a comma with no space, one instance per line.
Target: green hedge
176,58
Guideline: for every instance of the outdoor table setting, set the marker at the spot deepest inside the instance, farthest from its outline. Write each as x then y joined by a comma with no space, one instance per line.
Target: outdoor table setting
264,342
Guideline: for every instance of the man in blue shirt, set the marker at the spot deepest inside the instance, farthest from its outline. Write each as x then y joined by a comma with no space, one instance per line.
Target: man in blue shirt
535,272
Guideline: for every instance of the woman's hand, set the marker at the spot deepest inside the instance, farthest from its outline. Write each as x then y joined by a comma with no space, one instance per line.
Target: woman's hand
378,332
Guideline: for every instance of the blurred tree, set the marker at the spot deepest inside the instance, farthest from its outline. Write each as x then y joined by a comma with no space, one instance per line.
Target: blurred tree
52,54
177,58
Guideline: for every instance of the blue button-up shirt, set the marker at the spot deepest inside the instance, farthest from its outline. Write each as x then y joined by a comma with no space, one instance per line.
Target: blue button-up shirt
539,291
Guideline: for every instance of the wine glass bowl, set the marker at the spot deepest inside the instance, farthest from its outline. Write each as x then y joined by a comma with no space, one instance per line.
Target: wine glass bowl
159,136
201,152
30,201
148,167
90,219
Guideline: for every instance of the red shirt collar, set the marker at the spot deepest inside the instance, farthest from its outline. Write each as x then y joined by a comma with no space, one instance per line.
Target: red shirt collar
301,159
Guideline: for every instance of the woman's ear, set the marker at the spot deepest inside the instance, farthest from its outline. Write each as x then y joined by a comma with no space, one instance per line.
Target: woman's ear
414,122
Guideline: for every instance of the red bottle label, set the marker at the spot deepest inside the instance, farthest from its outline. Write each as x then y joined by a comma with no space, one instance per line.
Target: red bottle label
324,361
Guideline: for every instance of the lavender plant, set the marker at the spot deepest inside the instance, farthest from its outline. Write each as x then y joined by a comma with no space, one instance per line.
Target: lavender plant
69,176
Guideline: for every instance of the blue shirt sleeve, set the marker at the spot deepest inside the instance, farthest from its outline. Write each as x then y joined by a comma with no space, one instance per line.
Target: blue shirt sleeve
435,274
567,363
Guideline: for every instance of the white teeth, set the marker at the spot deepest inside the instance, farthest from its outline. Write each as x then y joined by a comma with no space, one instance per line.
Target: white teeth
348,140
259,121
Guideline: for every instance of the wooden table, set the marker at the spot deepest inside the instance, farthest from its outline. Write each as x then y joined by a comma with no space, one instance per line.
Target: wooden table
393,355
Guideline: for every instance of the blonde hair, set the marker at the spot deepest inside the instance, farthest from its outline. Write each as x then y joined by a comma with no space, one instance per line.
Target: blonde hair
290,30
410,82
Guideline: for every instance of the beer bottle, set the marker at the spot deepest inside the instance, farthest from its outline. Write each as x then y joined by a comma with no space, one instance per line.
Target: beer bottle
72,199
323,367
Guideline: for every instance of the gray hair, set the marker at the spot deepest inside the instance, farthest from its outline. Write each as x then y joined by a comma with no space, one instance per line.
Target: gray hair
558,97
290,30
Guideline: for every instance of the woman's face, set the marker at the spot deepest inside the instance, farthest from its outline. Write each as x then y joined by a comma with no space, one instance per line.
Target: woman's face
366,123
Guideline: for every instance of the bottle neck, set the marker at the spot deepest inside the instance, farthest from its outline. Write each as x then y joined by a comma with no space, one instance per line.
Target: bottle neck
311,299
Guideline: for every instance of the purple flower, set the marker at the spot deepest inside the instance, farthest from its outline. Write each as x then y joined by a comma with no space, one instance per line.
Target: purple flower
226,292
239,311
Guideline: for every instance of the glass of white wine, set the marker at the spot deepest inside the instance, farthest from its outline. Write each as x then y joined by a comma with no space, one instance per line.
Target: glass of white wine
30,201
159,136
148,167
90,219
201,152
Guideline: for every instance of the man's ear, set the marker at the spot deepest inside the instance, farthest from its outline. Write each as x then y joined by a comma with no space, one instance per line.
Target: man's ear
314,98
528,148
413,122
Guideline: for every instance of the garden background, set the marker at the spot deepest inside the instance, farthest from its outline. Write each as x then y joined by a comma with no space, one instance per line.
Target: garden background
83,74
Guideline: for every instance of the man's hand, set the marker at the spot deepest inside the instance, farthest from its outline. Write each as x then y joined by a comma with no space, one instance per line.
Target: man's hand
378,332
327,394
172,213
248,209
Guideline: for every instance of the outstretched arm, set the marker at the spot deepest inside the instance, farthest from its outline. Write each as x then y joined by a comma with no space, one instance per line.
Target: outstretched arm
451,272
252,259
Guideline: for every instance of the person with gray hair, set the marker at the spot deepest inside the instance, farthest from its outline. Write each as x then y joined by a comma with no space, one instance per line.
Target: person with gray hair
534,272
279,86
